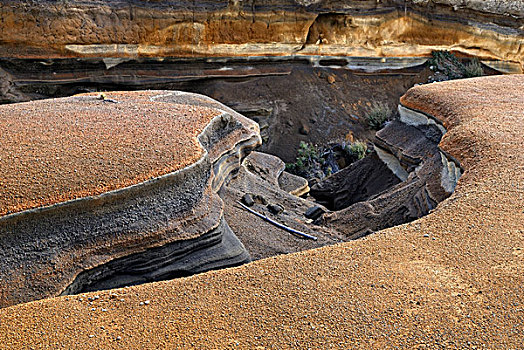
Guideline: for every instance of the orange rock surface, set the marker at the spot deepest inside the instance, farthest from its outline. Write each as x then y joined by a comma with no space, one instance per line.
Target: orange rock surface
453,279
57,150
388,28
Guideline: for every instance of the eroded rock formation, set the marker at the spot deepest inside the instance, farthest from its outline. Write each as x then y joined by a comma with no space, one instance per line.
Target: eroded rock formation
262,176
452,279
101,192
404,179
118,28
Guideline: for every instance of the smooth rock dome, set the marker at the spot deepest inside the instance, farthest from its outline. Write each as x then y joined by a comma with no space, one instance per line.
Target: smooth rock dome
103,191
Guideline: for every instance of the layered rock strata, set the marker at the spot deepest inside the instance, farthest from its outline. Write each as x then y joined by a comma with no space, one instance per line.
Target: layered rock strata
404,179
386,28
286,96
452,279
262,176
115,190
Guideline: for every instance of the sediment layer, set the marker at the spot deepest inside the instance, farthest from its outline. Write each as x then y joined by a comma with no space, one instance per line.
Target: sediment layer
63,149
450,279
387,28
45,246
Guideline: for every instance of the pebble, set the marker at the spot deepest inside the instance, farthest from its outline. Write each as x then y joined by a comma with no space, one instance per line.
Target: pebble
314,212
248,199
304,129
275,208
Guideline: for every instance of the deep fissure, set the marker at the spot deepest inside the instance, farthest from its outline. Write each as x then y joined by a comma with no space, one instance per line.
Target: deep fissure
317,101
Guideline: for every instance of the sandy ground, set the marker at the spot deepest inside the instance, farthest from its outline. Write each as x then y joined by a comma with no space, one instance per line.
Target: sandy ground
61,149
453,279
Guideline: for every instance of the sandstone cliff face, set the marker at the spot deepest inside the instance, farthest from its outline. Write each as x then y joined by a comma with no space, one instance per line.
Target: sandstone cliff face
55,238
488,29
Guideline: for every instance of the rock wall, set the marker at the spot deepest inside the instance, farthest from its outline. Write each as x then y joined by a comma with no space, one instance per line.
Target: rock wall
488,29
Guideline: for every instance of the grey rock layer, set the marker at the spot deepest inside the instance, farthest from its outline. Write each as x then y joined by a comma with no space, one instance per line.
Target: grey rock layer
408,147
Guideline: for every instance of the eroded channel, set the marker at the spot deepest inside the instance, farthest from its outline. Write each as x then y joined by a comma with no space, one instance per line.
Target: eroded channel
402,176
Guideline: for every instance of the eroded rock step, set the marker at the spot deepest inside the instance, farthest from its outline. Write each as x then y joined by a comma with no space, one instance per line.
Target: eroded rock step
216,249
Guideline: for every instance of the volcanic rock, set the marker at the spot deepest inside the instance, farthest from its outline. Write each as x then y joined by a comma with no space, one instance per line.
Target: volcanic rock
99,195
314,212
393,289
248,200
275,208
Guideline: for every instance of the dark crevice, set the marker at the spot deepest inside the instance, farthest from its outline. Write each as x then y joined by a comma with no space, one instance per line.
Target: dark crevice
216,249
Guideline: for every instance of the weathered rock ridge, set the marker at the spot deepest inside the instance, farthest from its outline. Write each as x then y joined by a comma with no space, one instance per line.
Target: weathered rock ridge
165,221
488,29
405,178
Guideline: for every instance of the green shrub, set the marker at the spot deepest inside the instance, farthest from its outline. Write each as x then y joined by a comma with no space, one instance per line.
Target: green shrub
473,69
447,64
358,149
317,162
378,115
308,159
447,67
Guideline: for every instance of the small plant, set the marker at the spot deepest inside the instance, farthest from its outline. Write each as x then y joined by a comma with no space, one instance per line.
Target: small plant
473,69
308,160
378,115
447,64
358,149
447,67
318,162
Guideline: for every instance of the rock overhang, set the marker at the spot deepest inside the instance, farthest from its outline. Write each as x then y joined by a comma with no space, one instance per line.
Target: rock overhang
116,29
